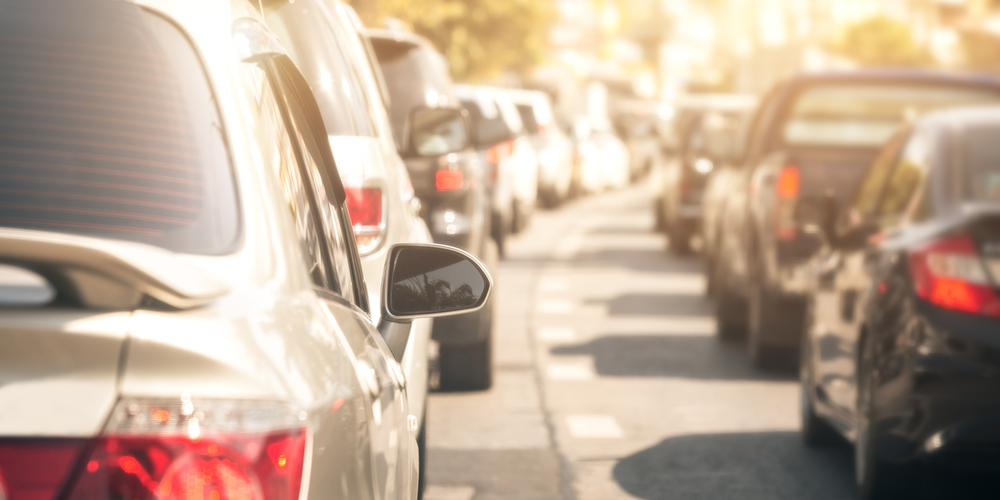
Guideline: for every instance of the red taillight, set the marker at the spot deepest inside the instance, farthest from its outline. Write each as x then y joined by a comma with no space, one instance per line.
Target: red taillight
237,467
949,273
365,207
542,129
35,469
448,180
788,182
190,449
788,192
497,153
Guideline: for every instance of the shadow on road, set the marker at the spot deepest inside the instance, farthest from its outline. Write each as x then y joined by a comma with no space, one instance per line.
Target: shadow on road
657,304
683,356
729,466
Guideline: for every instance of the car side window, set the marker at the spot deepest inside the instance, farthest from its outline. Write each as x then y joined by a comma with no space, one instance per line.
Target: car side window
305,138
294,185
870,191
906,179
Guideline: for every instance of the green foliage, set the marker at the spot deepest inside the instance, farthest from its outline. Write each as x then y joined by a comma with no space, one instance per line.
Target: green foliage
480,38
882,41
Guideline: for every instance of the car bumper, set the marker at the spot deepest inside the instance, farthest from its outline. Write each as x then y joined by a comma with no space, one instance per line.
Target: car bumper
945,402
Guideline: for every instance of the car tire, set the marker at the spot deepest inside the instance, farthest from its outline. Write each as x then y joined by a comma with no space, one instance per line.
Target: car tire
816,432
498,231
659,224
469,367
876,478
771,317
680,239
422,456
730,310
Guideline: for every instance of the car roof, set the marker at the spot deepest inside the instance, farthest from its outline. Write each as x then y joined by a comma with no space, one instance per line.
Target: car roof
402,37
889,74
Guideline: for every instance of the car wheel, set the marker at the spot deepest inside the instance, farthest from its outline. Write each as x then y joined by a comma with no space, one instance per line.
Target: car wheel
516,217
816,432
659,224
680,239
422,456
876,478
730,309
709,275
499,230
469,367
771,317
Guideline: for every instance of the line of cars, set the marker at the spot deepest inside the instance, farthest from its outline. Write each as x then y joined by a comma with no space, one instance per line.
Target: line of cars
851,227
215,280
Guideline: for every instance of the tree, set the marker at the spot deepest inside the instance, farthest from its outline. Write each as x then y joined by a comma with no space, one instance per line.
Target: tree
881,41
480,38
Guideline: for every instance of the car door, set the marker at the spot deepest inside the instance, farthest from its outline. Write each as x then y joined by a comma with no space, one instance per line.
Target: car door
844,280
393,466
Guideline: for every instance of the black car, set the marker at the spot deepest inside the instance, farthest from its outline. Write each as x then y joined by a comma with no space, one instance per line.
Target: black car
451,188
902,350
812,134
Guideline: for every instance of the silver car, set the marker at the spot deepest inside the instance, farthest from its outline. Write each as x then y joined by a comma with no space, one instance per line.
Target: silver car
185,313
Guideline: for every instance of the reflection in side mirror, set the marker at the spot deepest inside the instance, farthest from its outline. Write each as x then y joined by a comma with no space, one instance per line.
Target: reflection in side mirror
433,280
438,131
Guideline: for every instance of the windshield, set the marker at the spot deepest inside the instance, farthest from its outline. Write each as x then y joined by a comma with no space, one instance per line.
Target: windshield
415,78
866,115
110,129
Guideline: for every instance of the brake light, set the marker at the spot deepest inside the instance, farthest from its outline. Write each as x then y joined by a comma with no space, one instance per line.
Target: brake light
542,129
36,468
497,153
949,273
788,192
448,180
193,450
364,204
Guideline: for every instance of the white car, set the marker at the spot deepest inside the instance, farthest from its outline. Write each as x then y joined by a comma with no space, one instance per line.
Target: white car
185,313
323,40
555,151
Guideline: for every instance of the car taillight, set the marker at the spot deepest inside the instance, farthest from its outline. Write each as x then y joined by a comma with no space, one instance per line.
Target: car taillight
949,273
36,468
183,449
365,207
542,129
787,189
448,180
497,153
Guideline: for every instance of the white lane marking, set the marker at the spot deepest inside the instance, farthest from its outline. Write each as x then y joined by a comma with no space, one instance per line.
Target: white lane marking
553,285
593,426
568,247
438,492
556,334
555,306
581,370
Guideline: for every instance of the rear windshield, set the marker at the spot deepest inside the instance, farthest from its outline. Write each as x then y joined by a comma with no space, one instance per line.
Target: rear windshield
415,77
108,128
528,118
981,158
866,115
489,127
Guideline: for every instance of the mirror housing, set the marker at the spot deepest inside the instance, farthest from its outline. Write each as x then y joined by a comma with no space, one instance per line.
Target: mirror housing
437,131
428,281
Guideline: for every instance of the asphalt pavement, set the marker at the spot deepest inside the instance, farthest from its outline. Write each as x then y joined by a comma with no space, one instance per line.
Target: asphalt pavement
610,382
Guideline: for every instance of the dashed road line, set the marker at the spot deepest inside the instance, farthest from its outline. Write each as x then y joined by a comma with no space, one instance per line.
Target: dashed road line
593,427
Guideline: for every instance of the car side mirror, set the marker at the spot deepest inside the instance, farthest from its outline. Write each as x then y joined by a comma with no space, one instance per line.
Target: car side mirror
428,281
818,214
437,131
